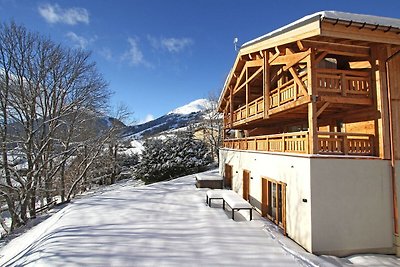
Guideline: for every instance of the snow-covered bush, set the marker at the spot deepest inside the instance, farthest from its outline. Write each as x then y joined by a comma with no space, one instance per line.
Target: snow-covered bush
172,157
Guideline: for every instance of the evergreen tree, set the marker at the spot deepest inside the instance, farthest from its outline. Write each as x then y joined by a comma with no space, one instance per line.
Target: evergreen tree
172,157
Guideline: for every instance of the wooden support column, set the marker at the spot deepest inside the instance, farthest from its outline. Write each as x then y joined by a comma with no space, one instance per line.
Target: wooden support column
247,93
231,105
266,84
379,55
312,107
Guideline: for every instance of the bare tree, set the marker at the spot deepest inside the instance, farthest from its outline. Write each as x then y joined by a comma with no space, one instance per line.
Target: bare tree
213,125
47,93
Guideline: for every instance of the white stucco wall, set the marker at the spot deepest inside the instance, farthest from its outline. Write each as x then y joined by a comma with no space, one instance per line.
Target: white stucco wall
294,171
348,208
351,205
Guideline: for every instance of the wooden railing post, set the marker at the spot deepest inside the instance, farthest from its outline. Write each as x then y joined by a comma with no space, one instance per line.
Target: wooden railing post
345,145
279,96
344,84
371,141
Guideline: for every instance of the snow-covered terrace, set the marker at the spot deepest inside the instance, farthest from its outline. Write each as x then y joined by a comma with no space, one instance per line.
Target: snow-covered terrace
164,224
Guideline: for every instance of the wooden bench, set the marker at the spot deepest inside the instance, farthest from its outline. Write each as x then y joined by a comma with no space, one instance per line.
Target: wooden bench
215,194
236,202
231,198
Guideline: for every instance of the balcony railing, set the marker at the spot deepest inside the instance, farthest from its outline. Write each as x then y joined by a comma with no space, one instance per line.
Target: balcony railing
343,82
256,107
328,143
287,92
346,143
288,142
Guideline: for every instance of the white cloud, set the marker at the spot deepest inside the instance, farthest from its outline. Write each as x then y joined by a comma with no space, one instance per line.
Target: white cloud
149,117
172,45
79,41
55,14
106,53
176,44
134,55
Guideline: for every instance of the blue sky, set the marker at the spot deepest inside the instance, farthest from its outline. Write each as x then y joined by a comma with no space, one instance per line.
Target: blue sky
161,54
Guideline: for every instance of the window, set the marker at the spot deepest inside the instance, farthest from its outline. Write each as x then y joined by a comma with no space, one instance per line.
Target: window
273,204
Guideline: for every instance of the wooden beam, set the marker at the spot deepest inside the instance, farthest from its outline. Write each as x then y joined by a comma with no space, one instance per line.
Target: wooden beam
301,46
240,77
231,96
345,100
254,63
290,59
312,106
341,49
298,81
294,61
275,56
247,93
379,55
266,84
343,31
301,101
248,64
248,80
320,57
297,33
324,106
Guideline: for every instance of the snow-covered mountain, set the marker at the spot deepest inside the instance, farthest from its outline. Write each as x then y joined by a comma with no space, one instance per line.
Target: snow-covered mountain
180,117
193,107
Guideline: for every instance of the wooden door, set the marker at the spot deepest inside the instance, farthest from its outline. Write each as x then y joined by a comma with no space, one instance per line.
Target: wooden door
246,185
228,176
264,197
273,200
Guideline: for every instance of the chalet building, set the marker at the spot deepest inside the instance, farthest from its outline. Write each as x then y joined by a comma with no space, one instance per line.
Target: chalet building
312,131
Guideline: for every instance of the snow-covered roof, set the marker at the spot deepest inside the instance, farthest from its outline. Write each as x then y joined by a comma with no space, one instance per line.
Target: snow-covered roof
333,15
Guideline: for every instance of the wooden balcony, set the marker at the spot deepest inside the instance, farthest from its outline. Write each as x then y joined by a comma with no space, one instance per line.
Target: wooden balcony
227,120
346,143
288,142
331,143
253,110
343,82
336,86
287,92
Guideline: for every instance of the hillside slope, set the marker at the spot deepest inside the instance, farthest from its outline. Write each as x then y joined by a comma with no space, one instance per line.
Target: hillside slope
184,116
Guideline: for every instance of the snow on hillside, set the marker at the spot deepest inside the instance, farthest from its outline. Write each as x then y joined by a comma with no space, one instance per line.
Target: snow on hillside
163,224
181,117
194,106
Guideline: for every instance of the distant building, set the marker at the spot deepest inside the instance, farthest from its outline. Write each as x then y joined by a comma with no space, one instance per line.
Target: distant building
312,131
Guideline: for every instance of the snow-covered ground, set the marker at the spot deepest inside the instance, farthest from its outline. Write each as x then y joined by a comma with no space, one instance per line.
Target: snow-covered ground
163,224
